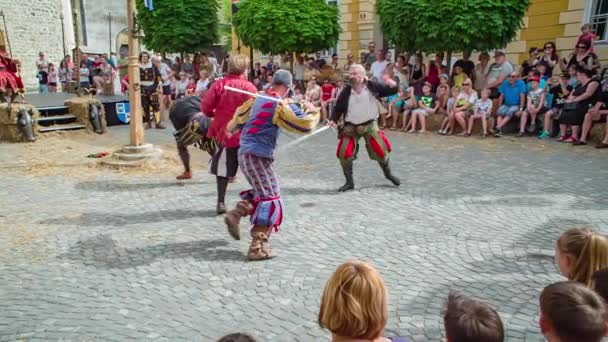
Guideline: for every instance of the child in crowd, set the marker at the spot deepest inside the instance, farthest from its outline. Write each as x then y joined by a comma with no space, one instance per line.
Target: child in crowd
580,253
238,337
427,105
558,91
535,74
53,78
569,311
191,87
402,104
298,95
587,35
257,83
542,70
483,111
572,81
535,106
469,320
458,76
444,79
84,75
443,92
451,104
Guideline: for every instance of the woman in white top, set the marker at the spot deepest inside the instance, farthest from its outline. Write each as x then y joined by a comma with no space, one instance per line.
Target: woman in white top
180,86
464,105
203,83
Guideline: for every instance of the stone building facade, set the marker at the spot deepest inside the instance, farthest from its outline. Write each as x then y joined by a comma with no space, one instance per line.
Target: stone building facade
35,25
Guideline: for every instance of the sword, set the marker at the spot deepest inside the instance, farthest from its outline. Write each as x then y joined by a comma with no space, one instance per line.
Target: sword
236,90
302,138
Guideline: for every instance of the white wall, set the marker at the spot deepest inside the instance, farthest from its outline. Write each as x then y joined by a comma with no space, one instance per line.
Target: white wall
96,16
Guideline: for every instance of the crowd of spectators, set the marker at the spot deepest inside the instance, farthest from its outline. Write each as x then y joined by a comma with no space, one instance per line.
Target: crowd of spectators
354,301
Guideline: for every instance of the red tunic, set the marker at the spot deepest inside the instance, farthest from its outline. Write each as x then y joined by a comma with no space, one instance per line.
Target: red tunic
9,78
221,104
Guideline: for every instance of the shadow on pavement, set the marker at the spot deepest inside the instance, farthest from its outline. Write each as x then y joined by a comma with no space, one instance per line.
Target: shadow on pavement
102,251
113,186
116,219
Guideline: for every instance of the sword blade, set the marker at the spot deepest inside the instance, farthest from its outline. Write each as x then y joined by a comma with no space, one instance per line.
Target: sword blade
241,91
302,138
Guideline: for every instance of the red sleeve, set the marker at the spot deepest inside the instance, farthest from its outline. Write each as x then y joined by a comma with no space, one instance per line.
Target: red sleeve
251,88
210,99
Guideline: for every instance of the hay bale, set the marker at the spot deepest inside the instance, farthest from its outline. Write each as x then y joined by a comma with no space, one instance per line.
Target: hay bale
597,132
9,129
79,106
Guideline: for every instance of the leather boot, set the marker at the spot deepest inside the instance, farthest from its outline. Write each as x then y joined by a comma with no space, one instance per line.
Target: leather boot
347,168
386,168
233,218
259,248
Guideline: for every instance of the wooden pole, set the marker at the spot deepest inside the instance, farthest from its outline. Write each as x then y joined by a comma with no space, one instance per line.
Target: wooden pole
77,53
135,125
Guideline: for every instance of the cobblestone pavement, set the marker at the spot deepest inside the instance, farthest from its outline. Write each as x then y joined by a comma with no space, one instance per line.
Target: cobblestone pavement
97,255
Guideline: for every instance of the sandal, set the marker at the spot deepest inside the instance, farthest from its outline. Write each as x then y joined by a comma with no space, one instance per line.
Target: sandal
561,138
259,249
571,140
601,145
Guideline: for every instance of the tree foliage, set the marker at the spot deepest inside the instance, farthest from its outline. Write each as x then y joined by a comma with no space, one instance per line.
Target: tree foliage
451,25
179,25
277,26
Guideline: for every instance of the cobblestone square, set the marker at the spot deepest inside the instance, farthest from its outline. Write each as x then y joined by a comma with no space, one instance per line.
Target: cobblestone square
90,254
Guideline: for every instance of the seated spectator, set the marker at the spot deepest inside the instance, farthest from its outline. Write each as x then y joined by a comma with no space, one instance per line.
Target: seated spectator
268,82
353,304
542,83
427,105
582,57
334,61
464,105
298,94
604,143
558,91
444,79
581,252
403,103
571,312
511,101
458,76
572,80
313,92
257,83
469,320
549,59
451,105
498,73
203,82
529,64
442,94
238,337
191,88
181,85
104,76
600,278
483,111
598,113
578,103
326,90
535,106
587,34
542,71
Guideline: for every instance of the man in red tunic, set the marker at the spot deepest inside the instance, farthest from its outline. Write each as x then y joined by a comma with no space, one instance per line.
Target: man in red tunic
10,78
221,105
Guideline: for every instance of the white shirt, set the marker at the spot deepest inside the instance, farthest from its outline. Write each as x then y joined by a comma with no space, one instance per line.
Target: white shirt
165,71
298,70
378,69
361,107
42,65
201,86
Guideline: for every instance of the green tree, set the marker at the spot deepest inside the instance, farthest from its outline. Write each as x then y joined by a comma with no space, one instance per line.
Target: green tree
279,26
451,25
179,25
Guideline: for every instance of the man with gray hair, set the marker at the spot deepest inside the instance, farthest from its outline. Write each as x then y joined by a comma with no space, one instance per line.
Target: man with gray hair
357,109
260,120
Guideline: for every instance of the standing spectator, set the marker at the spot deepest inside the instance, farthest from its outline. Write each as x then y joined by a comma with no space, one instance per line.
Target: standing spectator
177,66
165,74
334,61
42,65
257,70
65,75
464,105
298,69
483,111
529,64
418,74
481,71
53,78
104,75
206,64
166,60
512,99
468,67
582,57
469,320
549,59
571,312
349,62
311,70
113,60
587,35
335,94
215,67
370,57
320,61
433,70
379,67
84,75
69,63
123,65
187,65
535,107
326,91
498,73
354,304
286,62
196,66
89,63
578,103
225,65
270,64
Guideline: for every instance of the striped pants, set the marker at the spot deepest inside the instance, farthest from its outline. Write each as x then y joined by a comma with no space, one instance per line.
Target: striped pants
266,192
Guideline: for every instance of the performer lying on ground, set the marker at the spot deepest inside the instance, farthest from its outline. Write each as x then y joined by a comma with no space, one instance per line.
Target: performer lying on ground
221,105
358,106
191,129
260,120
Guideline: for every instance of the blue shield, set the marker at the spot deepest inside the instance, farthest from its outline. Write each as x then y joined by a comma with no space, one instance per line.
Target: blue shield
123,112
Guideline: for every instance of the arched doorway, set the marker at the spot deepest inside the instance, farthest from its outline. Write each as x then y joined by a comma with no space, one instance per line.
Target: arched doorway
122,42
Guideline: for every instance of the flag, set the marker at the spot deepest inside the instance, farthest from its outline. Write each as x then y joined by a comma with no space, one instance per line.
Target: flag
149,5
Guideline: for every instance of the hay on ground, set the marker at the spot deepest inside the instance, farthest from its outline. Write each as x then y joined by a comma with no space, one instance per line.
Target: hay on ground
79,106
9,129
